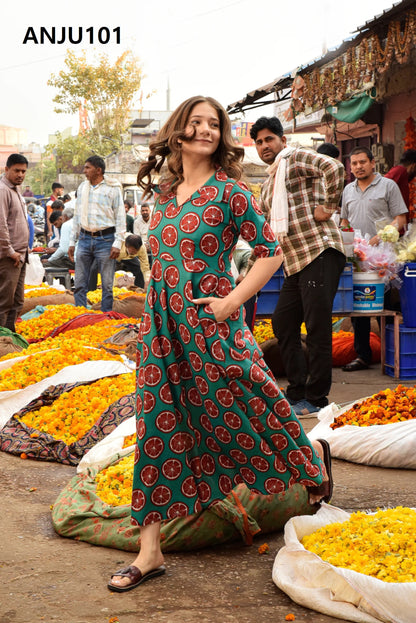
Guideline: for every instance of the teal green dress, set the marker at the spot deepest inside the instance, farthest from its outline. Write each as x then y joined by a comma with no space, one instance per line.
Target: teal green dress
210,414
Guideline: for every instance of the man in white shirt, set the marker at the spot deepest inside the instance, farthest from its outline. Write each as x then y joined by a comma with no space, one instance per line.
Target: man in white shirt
60,258
142,222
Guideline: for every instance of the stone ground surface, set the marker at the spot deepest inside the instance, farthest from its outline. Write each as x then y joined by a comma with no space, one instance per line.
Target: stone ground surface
44,577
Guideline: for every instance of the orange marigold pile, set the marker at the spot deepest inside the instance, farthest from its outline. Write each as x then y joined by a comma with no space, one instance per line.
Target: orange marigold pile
386,407
52,317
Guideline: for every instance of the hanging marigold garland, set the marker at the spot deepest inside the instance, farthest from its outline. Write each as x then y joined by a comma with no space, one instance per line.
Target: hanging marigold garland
410,143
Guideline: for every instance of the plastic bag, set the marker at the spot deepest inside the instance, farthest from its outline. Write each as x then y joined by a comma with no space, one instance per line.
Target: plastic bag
384,445
35,271
335,591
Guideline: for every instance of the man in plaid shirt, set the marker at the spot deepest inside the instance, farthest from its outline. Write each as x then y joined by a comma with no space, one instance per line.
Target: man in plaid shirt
299,197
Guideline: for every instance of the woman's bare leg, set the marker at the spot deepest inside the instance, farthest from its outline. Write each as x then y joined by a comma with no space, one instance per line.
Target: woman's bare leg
314,499
150,556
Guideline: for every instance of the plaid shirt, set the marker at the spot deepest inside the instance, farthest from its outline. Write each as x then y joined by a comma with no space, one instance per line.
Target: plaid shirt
311,179
105,209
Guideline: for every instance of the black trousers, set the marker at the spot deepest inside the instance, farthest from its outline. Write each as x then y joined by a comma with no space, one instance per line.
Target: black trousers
308,297
132,266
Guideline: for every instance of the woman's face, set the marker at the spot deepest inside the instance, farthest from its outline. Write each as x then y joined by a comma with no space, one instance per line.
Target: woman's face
204,122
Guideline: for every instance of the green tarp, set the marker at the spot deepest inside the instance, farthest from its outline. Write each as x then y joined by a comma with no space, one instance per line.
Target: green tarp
351,110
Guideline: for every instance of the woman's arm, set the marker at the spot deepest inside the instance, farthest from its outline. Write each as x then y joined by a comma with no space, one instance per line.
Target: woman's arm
263,269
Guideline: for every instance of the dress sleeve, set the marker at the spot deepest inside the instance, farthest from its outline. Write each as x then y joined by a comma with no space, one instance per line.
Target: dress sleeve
250,222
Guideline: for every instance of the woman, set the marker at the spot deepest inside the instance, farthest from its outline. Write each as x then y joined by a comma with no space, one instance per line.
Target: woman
209,415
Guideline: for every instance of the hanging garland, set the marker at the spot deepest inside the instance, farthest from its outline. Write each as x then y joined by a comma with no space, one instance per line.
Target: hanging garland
410,143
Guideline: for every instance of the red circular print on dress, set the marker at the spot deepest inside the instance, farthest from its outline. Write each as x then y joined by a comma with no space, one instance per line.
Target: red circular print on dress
225,484
227,236
207,464
192,317
213,216
211,408
232,420
207,193
237,356
171,276
173,373
165,394
279,465
138,500
152,517
245,441
200,342
208,284
166,421
224,330
295,457
153,447
209,327
256,374
217,351
224,397
172,469
282,408
189,222
181,442
222,434
248,475
139,404
206,423
311,470
261,250
293,428
270,389
226,462
280,441
161,495
194,397
154,245
204,491
156,270
202,385
221,175
274,485
238,456
172,325
196,361
176,303
255,205
194,266
239,204
152,297
212,444
258,405
156,218
267,233
152,375
140,378
235,388
185,370
238,339
163,299
221,263
259,463
256,425
248,231
149,401
169,235
140,428
194,465
308,452
166,257
177,509
157,321
177,347
172,210
234,371
146,323
188,487
188,291
209,244
273,422
161,346
149,475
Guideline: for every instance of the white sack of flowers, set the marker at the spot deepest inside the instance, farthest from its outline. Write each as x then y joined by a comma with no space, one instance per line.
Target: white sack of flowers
12,401
100,454
334,591
382,445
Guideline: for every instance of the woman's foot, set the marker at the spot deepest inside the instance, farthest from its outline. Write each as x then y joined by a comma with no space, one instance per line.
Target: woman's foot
322,492
148,566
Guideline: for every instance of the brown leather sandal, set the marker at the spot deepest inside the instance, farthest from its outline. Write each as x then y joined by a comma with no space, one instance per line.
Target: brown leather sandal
325,488
135,576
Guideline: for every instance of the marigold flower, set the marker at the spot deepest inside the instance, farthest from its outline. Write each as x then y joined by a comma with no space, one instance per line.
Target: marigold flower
115,483
53,316
290,617
263,549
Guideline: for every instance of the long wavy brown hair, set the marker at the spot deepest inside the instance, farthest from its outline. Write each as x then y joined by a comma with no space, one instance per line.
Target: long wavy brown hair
166,150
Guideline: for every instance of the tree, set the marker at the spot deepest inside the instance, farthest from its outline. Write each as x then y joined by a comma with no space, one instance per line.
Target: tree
106,91
41,177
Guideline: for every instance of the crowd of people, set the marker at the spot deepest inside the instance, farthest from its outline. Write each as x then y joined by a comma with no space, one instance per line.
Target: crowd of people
210,414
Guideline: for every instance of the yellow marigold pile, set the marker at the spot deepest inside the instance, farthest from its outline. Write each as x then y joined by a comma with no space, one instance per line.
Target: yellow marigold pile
263,331
72,415
115,483
90,335
40,366
42,290
52,317
381,545
129,440
386,407
94,296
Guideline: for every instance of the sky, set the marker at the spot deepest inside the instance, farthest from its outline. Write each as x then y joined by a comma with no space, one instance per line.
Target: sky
220,48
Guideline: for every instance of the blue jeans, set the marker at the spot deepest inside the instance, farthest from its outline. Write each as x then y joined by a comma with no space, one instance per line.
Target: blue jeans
96,248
